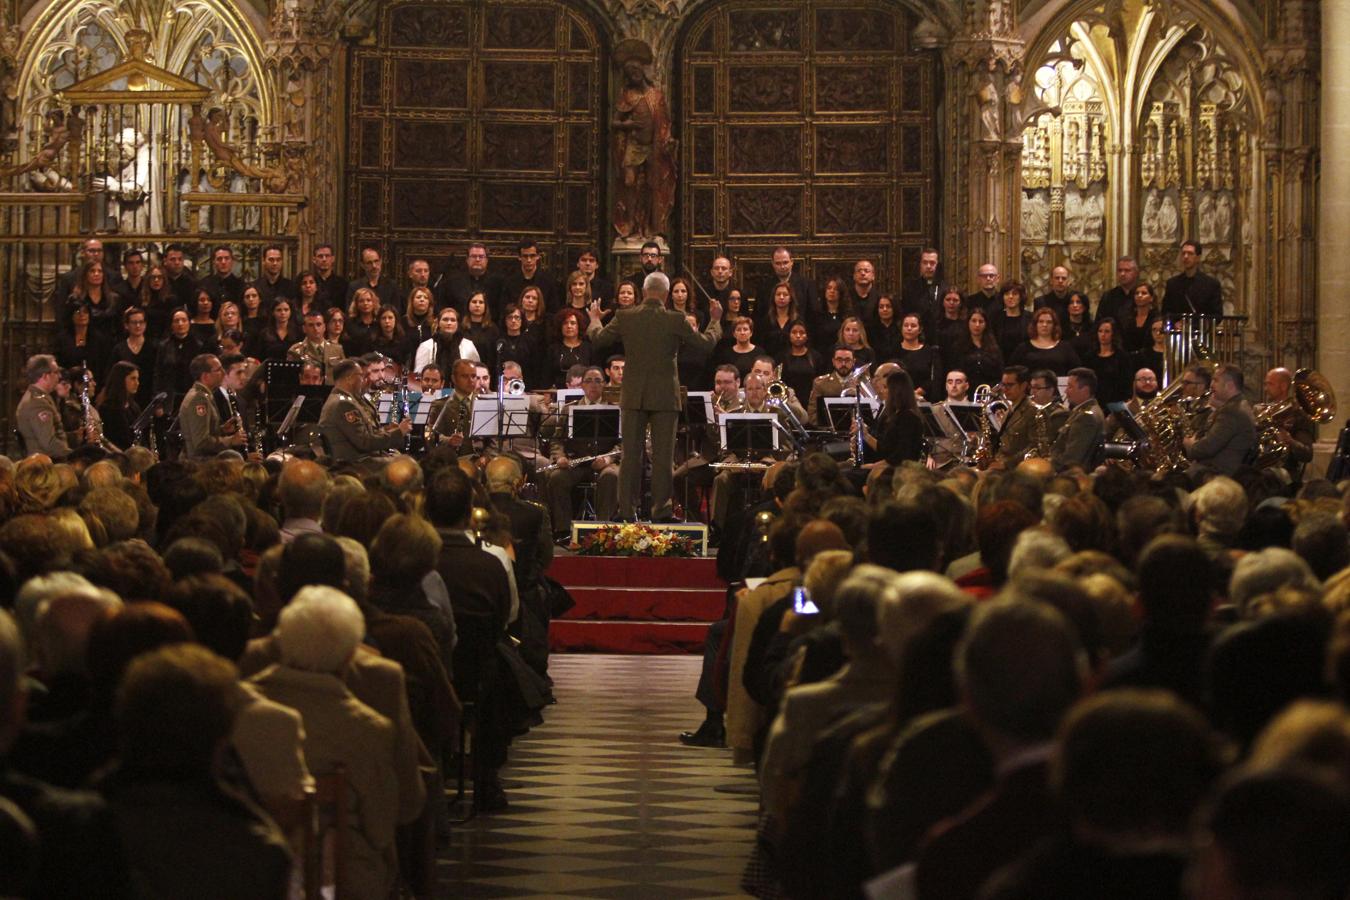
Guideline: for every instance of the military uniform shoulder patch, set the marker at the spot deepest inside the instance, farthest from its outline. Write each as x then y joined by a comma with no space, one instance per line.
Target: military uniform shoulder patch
201,409
44,416
352,417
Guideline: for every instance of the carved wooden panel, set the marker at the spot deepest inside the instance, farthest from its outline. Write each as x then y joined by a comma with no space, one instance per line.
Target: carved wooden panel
473,120
417,25
811,124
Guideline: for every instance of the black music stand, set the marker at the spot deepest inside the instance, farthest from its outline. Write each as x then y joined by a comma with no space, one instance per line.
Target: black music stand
750,435
966,415
838,411
597,423
932,425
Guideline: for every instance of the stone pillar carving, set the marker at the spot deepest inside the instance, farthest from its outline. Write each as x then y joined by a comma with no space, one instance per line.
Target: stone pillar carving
1333,213
10,39
1289,142
303,59
981,66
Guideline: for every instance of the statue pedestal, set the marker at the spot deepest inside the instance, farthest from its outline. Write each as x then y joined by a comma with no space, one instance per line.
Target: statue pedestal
624,253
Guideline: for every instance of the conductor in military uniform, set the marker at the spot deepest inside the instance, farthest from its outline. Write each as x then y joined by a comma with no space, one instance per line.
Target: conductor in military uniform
38,418
652,336
325,354
204,434
349,424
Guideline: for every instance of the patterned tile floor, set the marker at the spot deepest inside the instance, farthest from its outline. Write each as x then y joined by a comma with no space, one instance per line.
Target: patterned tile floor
605,801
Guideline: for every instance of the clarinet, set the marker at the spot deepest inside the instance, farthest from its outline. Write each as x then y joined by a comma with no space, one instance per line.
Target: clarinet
236,419
403,410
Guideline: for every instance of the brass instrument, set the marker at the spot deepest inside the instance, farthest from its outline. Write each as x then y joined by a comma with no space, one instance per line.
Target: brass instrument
1310,394
88,424
993,401
1040,431
858,385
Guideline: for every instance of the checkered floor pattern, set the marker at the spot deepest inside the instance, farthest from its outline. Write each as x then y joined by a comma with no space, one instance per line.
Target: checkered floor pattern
605,801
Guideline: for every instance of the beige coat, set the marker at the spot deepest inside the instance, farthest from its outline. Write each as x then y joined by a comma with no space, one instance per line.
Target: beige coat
744,715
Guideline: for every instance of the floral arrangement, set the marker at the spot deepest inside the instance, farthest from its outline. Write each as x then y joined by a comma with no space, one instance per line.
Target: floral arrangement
632,539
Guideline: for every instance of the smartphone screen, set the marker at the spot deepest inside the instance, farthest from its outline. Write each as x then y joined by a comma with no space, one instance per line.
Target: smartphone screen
801,603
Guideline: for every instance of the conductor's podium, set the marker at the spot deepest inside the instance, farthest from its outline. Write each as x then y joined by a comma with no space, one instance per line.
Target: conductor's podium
627,604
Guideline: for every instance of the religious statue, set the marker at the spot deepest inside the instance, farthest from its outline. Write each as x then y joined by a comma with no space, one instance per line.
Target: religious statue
987,99
210,131
643,148
9,87
1035,216
1024,106
127,182
1151,231
41,169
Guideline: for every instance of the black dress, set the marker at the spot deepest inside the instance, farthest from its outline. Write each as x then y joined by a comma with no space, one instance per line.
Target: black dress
981,366
1115,377
172,358
269,346
800,371
117,422
823,326
358,337
1009,331
771,337
484,338
94,354
885,341
922,366
901,438
730,356
145,361
520,349
1136,337
1058,359
561,357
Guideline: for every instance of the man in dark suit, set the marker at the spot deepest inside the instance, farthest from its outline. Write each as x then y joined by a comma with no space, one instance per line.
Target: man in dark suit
1232,428
652,336
923,293
1118,303
1077,442
1057,298
455,288
802,289
1016,700
480,596
1192,292
373,278
332,285
532,536
986,296
531,274
222,284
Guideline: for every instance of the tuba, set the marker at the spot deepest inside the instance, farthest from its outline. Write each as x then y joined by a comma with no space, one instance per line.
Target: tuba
1310,394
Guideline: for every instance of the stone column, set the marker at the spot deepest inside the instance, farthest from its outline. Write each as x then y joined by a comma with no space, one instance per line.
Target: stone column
1333,220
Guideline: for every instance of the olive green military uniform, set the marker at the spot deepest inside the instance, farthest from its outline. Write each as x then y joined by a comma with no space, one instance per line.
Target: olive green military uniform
39,422
352,430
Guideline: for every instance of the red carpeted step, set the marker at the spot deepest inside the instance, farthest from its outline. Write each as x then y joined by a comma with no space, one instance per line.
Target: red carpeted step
629,571
636,604
568,636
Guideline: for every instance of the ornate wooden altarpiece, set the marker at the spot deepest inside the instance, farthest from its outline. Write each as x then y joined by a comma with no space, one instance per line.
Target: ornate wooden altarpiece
476,121
813,126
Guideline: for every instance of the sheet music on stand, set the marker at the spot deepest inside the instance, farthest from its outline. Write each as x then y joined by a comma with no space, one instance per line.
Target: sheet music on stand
839,412
420,405
749,435
287,423
567,395
510,419
597,422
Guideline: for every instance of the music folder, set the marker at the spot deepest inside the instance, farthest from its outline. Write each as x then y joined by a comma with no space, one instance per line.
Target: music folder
509,419
749,435
597,422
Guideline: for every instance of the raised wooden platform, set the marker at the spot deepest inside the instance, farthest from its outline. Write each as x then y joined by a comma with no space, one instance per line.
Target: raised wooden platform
636,604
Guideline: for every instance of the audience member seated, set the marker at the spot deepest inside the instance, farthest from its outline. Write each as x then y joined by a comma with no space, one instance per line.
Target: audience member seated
317,636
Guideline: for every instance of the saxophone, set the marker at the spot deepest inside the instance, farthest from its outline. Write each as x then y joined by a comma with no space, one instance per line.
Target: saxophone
992,400
1040,445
